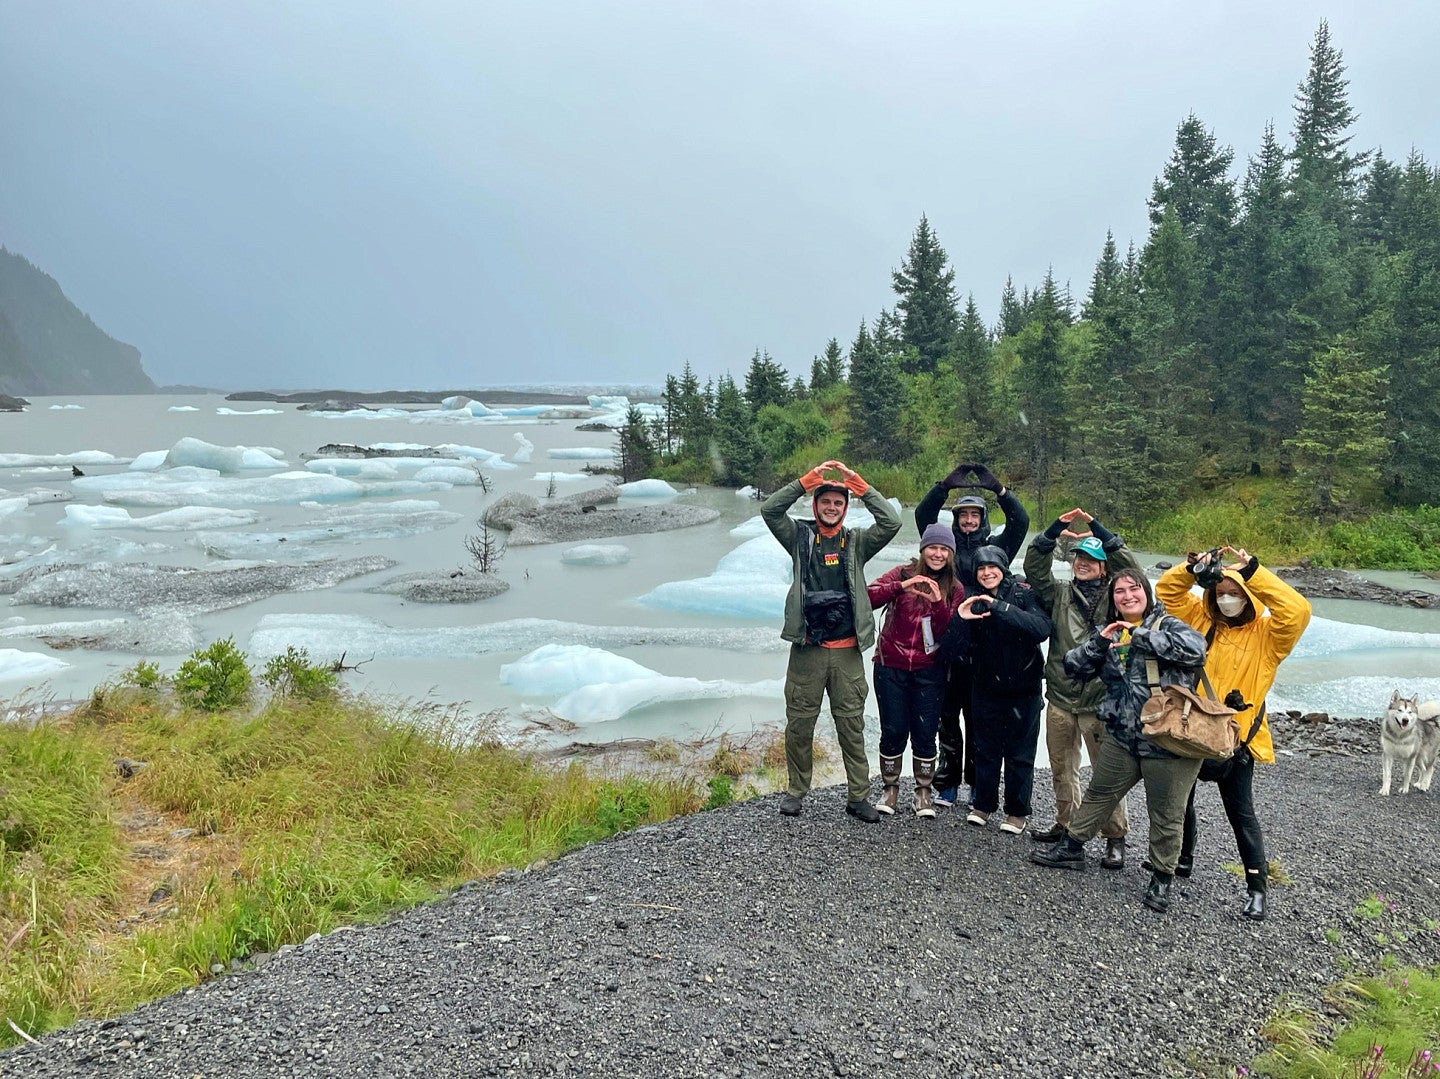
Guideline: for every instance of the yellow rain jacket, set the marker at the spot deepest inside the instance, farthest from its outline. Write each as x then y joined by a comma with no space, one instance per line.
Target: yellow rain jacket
1242,657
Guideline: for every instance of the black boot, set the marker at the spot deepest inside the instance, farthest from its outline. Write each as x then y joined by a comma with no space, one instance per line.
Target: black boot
863,810
1183,868
1157,894
1053,834
1255,906
1114,854
1067,854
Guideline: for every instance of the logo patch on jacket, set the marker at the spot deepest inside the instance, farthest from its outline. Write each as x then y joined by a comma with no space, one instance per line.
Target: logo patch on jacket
832,559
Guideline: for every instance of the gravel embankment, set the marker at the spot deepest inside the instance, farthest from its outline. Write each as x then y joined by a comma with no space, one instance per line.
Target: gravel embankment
738,942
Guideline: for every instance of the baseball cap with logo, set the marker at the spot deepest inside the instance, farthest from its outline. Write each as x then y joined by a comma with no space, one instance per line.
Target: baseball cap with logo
1092,548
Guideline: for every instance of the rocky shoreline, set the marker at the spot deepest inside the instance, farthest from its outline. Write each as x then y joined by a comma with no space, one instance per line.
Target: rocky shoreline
1319,583
738,942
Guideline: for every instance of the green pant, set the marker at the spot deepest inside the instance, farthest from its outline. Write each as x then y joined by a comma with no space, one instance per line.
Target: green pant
1167,790
1064,731
812,673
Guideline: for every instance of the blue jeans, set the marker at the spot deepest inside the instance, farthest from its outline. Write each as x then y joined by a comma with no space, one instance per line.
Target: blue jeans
909,709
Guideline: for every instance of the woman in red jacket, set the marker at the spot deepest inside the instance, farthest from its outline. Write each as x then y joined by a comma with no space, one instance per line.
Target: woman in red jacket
909,676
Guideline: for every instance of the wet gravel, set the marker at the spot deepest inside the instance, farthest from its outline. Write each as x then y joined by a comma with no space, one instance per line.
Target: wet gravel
741,943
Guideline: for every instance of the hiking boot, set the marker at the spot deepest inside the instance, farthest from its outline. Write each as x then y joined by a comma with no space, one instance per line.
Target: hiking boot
1157,893
1012,825
1114,854
977,818
945,796
1053,834
1254,906
790,805
890,778
1066,854
924,776
863,810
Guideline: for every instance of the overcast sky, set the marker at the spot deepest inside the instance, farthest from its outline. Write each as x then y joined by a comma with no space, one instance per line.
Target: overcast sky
429,194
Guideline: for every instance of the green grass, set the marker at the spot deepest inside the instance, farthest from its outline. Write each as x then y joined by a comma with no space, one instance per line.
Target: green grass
308,815
1390,1023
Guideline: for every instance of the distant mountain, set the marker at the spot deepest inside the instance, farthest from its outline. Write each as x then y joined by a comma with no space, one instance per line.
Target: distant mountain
49,346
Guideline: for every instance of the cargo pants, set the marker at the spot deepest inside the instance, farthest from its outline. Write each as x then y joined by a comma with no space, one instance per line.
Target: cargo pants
812,673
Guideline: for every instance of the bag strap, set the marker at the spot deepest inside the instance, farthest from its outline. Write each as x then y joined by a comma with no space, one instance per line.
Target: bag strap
1152,679
1255,727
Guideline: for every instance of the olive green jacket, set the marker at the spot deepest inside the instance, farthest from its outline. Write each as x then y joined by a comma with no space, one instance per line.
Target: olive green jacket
864,543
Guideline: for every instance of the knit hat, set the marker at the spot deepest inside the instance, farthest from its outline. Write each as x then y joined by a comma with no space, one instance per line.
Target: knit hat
1091,547
937,535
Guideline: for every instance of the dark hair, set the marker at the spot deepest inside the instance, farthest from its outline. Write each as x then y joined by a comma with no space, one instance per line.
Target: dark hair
1130,575
944,577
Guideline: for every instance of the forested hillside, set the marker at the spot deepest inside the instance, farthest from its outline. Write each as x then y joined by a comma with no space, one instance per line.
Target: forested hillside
1276,336
49,346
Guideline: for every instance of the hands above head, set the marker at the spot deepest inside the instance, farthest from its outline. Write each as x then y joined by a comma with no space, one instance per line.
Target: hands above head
925,587
972,475
1242,556
1070,520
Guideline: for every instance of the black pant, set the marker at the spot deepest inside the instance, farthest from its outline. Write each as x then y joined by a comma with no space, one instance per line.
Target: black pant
1235,778
955,765
909,709
1004,733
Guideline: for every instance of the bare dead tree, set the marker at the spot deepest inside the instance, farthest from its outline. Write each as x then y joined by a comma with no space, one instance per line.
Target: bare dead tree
484,549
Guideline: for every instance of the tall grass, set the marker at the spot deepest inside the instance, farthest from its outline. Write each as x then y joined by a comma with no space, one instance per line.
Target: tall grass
306,815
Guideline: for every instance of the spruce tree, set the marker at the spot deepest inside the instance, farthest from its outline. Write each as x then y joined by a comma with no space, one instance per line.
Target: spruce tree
877,402
834,358
637,454
735,441
974,362
1326,172
1012,314
1341,445
925,287
766,383
1040,378
817,375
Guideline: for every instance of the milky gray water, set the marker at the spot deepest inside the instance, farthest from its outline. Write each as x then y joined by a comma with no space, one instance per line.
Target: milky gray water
715,640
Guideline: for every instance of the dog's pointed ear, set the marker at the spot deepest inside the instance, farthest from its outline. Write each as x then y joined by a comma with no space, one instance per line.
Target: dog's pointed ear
1394,696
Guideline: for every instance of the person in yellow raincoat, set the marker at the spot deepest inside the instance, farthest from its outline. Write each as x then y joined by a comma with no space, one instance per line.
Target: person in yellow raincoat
1251,620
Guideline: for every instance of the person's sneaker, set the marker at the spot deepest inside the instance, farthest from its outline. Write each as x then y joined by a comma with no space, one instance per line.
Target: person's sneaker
1053,834
863,810
977,818
945,797
790,805
1012,825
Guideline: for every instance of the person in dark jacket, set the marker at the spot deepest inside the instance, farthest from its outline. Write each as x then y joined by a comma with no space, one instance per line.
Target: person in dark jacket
1141,631
1076,607
1006,626
971,514
919,600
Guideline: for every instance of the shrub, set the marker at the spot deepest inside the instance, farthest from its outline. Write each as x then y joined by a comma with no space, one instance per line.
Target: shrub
294,675
144,675
722,792
214,678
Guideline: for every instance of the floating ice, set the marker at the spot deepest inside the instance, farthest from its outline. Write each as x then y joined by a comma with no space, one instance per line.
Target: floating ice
193,451
1363,696
346,525
456,475
198,487
746,492
182,408
249,412
581,453
65,408
184,519
562,477
360,468
1326,637
40,496
17,664
647,489
461,403
599,686
596,554
749,582
522,455
561,668
489,458
164,635
149,461
80,457
749,529
608,402
10,506
329,635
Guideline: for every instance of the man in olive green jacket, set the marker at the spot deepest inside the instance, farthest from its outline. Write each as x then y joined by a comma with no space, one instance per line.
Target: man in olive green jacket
1076,608
828,622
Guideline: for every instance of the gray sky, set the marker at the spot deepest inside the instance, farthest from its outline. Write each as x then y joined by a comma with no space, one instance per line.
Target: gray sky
360,194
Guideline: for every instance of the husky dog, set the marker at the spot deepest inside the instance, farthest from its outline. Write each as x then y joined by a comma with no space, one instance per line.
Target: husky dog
1410,738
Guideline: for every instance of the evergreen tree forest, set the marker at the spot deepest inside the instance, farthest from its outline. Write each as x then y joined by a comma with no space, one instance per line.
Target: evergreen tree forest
1271,349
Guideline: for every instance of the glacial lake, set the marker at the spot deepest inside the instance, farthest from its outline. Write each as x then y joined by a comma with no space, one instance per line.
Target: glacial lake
699,653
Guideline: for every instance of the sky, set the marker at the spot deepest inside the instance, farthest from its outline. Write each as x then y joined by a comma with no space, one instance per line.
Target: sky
363,195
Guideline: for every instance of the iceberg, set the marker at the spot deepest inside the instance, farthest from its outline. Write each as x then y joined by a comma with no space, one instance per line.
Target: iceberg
1362,696
65,408
9,506
149,461
749,582
750,528
596,554
200,454
608,402
647,489
461,403
183,519
351,525
164,635
375,468
522,455
332,634
455,475
80,457
249,412
16,664
582,453
562,477
1325,637
747,492
182,408
198,487
598,686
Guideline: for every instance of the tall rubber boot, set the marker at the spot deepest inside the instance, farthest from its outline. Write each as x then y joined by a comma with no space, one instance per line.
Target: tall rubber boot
890,777
924,780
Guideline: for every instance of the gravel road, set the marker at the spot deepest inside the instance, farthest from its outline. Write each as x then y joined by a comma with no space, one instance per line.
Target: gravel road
738,942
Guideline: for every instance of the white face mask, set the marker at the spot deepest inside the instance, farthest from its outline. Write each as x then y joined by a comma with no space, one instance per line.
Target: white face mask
1230,606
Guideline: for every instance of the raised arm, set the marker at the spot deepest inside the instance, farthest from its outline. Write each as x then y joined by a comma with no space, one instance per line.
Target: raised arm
1289,610
928,511
775,511
1173,590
